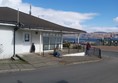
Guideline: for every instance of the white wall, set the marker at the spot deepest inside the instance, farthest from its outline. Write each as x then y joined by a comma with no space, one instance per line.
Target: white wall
41,43
21,45
6,42
24,47
19,42
36,40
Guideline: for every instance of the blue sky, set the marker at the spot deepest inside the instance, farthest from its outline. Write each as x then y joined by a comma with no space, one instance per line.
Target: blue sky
89,15
106,9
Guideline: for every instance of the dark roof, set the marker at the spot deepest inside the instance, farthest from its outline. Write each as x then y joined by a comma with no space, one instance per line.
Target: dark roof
8,15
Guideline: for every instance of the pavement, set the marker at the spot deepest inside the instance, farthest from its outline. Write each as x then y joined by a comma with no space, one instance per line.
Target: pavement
108,48
33,61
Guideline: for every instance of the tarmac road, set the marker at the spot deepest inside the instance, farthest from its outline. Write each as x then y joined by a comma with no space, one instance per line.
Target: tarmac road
109,54
105,71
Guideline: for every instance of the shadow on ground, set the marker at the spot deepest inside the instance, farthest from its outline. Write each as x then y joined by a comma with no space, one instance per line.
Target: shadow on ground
62,81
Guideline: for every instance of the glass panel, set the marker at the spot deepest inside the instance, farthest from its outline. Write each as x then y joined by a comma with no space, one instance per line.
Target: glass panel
45,34
60,35
58,40
52,43
52,47
26,37
52,40
46,43
46,47
46,40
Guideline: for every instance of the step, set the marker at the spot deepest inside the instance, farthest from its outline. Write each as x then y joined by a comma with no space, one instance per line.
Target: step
37,61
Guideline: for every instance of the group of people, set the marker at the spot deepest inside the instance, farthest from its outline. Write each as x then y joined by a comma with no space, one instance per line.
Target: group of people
56,52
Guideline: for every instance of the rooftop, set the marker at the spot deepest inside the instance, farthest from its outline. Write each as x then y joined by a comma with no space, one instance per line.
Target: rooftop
9,15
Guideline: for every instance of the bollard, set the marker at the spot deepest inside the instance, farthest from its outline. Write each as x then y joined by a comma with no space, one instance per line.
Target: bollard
99,53
68,50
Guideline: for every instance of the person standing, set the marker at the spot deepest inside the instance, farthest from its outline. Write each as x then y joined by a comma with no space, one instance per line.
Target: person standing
32,48
88,46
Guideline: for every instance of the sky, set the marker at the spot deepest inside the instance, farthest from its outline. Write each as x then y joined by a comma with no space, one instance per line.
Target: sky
88,15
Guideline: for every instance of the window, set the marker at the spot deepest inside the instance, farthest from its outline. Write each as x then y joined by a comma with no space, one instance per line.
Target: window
50,40
46,43
27,37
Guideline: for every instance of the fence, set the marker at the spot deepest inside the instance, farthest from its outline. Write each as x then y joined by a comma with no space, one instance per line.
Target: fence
95,52
72,50
75,48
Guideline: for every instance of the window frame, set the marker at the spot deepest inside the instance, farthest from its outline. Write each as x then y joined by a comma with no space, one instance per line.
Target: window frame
27,37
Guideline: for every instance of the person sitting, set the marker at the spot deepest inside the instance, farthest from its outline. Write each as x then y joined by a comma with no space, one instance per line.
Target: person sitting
56,53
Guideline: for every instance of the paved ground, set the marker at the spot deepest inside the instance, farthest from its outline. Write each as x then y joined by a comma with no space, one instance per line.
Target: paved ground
110,54
36,61
9,65
48,60
108,48
104,71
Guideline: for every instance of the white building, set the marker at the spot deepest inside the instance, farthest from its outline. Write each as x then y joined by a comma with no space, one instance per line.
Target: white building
19,30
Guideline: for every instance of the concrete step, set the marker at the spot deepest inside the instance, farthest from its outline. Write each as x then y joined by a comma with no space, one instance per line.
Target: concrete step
14,58
37,60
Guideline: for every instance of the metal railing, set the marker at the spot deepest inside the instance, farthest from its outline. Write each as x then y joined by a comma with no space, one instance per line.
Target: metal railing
95,52
65,50
68,50
72,50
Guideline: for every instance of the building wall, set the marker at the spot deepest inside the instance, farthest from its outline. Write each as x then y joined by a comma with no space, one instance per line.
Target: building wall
36,37
23,46
24,39
6,42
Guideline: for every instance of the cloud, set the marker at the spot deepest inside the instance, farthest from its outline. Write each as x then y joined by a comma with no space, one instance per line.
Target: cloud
116,20
69,19
10,2
102,29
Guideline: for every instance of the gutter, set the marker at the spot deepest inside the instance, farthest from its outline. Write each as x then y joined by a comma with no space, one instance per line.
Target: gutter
14,39
17,26
44,30
6,24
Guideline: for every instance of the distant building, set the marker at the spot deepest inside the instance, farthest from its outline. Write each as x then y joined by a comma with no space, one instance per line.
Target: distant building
116,36
99,35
